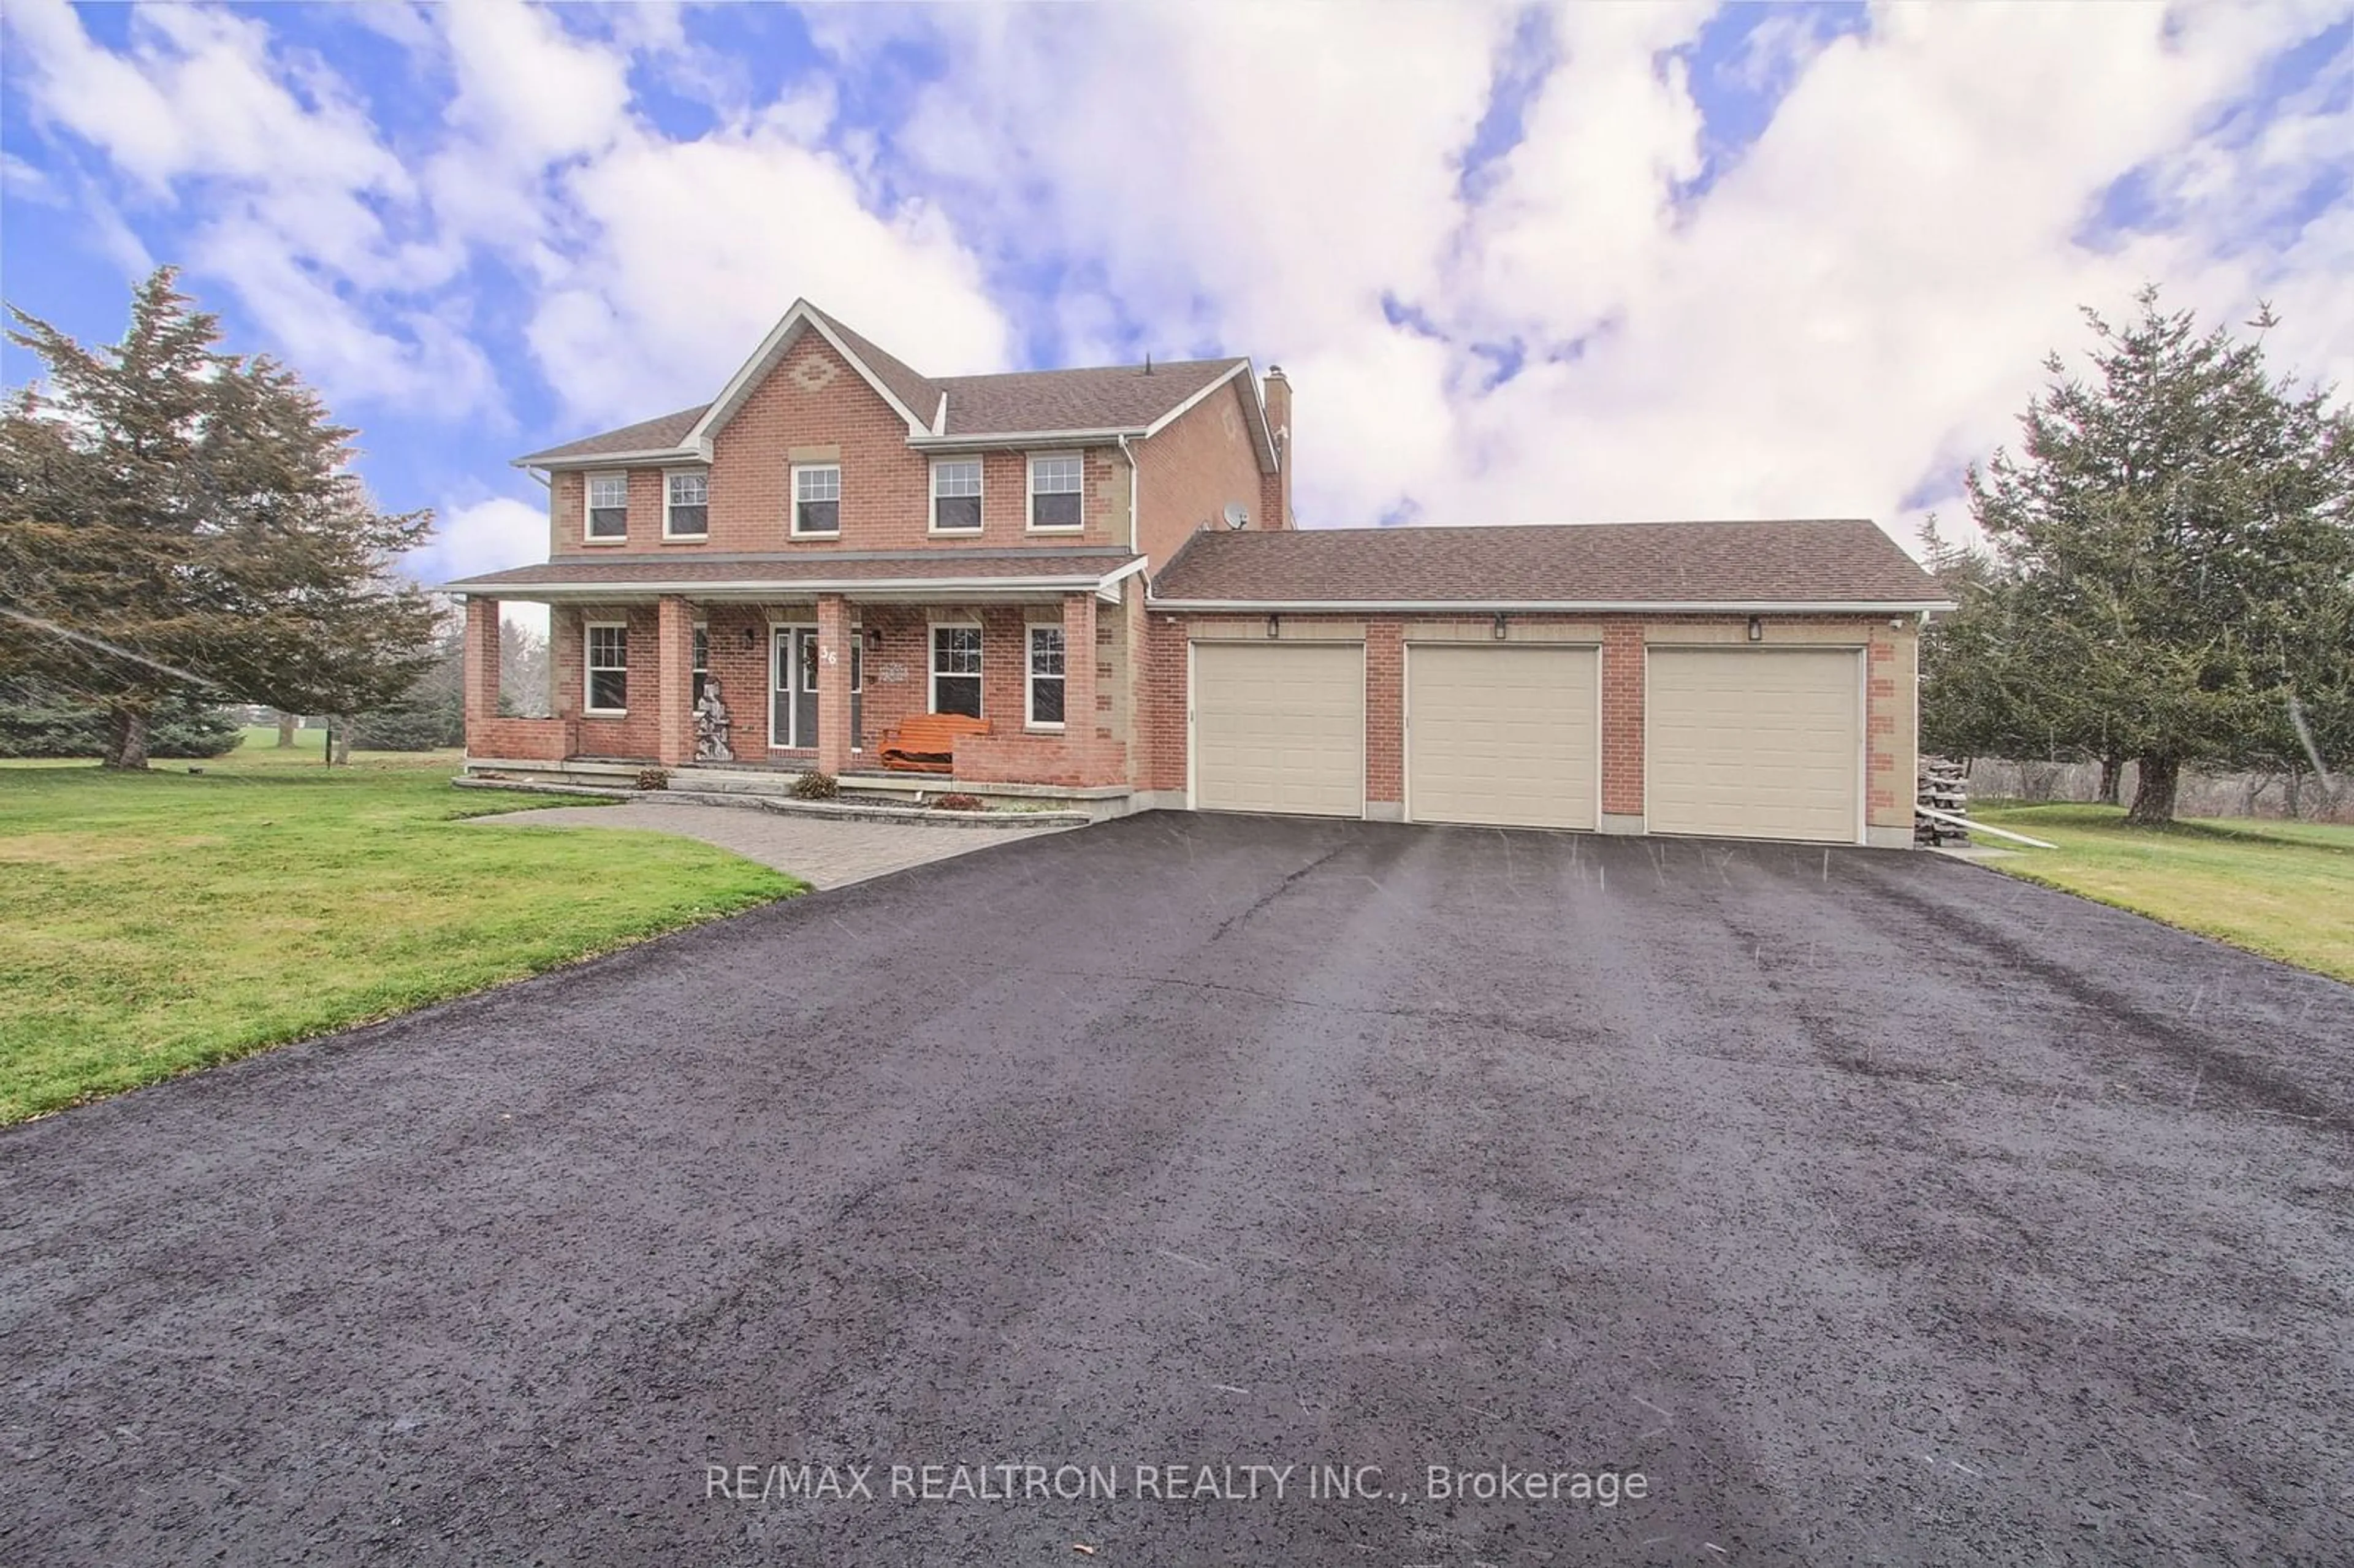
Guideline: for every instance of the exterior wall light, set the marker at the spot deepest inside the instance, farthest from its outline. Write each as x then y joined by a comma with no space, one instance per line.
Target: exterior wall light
1275,626
1756,629
1500,627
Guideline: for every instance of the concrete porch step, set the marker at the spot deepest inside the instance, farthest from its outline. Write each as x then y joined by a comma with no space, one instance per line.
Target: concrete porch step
785,805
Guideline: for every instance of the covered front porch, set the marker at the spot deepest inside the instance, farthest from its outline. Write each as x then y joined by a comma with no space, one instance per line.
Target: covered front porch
748,692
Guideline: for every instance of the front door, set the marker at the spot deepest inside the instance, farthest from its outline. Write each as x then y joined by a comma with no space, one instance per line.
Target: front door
794,680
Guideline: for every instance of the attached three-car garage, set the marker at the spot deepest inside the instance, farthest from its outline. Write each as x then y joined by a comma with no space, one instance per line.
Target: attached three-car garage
1722,680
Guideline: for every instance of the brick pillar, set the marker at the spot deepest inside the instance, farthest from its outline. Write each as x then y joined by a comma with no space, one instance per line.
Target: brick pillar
1385,720
481,665
833,682
1622,719
673,682
1079,742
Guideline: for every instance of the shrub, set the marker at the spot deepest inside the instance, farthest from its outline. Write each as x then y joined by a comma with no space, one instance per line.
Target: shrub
654,778
959,803
816,787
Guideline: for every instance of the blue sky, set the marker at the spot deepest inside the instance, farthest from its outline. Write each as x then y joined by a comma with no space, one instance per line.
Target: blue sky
1522,263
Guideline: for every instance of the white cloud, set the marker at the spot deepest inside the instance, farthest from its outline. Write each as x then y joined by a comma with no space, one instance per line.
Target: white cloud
1861,298
281,181
644,322
487,535
1858,298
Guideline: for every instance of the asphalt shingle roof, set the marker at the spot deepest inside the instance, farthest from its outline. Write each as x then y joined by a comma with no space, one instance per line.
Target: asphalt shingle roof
1826,561
1021,402
786,570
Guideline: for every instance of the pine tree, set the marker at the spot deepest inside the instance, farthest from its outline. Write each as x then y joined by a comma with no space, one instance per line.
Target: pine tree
176,522
2179,533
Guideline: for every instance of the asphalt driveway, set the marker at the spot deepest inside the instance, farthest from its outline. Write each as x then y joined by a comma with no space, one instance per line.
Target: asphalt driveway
1867,1206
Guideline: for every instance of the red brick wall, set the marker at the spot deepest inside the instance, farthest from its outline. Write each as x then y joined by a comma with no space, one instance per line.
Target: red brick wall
1189,473
634,735
1622,719
1384,711
1275,489
521,740
814,400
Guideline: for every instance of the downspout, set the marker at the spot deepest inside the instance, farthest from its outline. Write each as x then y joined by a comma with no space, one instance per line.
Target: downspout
1127,453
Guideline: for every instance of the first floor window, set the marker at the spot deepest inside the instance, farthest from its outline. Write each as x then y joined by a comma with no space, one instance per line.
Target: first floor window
1055,489
817,500
687,514
608,506
1046,676
956,496
956,670
702,659
609,668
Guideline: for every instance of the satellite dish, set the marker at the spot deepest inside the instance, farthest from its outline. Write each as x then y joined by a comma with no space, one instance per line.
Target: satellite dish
1237,514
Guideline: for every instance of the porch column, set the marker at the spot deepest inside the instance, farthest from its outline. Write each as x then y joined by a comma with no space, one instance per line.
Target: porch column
833,682
482,667
673,682
1078,681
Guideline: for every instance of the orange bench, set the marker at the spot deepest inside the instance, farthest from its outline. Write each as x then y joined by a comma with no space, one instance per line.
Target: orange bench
926,743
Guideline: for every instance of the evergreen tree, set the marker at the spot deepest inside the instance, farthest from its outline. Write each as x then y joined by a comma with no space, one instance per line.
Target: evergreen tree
180,523
2177,534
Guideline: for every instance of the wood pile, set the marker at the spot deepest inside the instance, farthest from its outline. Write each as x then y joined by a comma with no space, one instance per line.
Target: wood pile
1944,787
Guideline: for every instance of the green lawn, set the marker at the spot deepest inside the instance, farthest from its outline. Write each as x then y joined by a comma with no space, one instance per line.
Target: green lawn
2282,889
149,925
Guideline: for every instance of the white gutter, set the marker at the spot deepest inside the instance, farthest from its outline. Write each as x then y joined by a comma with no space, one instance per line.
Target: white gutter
856,586
658,456
1026,438
1548,606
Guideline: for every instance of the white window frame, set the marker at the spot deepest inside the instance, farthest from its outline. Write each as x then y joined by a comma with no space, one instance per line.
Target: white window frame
699,638
588,668
671,476
978,675
589,507
981,495
793,500
1030,501
1030,677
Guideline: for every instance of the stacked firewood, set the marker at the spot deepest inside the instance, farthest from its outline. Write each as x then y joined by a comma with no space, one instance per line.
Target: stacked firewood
1944,787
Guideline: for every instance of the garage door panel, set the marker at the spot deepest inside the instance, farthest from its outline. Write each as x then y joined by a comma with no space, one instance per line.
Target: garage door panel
1279,727
1753,743
1507,737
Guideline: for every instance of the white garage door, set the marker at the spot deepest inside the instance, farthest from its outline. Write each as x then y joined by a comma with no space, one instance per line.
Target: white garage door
1279,726
1509,735
1761,742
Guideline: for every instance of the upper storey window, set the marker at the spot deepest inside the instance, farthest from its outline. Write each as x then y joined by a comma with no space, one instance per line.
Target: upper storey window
609,507
817,500
956,496
686,506
1054,481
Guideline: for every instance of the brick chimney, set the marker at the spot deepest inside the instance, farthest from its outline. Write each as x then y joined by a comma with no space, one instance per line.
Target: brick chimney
1275,489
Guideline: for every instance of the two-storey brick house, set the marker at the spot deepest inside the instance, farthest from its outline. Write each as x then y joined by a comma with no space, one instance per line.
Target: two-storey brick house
837,542
1100,565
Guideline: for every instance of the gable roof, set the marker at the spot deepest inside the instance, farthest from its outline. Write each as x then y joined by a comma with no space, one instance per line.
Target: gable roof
941,411
662,434
1795,563
1103,398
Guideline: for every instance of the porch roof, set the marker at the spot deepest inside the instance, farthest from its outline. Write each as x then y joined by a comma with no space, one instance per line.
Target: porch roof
904,575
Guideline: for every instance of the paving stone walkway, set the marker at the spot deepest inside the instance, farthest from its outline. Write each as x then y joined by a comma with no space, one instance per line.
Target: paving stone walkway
821,852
